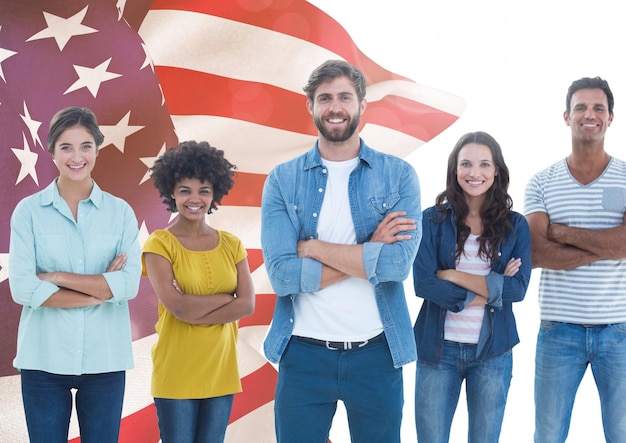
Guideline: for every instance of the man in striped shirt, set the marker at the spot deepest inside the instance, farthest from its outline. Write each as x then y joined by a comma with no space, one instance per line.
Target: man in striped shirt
576,213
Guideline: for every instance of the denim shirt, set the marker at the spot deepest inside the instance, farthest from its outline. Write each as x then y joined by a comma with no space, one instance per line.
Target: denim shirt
437,251
292,200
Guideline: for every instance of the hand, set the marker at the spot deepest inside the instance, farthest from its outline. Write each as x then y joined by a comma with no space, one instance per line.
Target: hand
118,263
556,231
512,267
47,276
305,248
393,223
175,284
445,274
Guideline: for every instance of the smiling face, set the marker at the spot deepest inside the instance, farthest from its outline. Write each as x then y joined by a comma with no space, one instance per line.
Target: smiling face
75,154
193,198
336,110
589,116
475,170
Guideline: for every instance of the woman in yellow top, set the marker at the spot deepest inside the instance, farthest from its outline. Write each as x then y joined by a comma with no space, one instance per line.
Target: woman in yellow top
203,283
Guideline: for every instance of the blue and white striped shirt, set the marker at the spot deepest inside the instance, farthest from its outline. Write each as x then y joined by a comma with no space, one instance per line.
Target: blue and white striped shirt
593,293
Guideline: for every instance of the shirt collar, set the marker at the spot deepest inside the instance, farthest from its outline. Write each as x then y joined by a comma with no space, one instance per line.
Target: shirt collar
51,194
313,158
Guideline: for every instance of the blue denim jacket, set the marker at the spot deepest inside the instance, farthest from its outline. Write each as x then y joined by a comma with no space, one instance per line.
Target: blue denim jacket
292,199
437,251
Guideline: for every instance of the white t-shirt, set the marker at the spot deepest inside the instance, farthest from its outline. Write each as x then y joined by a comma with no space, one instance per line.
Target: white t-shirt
346,310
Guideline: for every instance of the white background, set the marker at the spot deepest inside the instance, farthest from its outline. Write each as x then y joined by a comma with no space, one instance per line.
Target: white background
512,62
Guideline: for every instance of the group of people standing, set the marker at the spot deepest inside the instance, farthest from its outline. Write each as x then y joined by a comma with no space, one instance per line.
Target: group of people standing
342,228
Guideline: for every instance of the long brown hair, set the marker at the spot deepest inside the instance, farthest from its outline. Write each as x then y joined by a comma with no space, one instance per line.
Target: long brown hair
495,211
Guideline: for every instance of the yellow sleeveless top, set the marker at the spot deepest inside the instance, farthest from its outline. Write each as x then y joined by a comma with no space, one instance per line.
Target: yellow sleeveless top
196,361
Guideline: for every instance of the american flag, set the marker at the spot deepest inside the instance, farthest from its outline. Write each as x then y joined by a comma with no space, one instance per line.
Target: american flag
156,72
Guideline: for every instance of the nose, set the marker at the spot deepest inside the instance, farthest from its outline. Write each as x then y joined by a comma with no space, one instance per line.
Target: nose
589,113
334,106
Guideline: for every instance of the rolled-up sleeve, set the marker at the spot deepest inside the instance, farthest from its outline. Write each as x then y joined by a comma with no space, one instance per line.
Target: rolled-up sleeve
288,274
124,284
26,288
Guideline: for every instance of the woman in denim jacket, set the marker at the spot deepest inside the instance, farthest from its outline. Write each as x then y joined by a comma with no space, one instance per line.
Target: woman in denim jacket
472,264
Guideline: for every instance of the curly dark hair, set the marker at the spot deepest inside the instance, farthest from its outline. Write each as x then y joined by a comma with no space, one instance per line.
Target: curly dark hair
191,159
496,209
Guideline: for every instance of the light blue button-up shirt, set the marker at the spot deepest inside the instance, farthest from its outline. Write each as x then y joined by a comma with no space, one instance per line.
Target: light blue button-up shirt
46,238
292,199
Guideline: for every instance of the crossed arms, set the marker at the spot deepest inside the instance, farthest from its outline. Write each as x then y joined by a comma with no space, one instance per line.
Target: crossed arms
77,290
200,309
341,261
558,246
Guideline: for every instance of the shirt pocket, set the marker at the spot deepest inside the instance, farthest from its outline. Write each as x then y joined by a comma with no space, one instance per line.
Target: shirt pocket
383,204
613,200
52,253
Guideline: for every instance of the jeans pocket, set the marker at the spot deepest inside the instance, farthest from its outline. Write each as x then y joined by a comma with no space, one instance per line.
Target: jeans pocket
619,327
549,324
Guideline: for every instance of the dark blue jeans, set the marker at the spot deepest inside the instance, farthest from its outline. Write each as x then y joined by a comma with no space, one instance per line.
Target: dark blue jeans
438,387
201,420
48,405
311,379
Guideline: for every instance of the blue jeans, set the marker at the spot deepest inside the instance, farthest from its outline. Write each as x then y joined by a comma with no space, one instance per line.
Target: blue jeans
311,379
563,353
201,420
48,405
437,390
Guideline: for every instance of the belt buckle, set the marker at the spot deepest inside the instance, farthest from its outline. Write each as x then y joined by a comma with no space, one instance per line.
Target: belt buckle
344,346
329,345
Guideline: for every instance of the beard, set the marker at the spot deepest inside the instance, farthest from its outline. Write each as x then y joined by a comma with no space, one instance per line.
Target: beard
337,135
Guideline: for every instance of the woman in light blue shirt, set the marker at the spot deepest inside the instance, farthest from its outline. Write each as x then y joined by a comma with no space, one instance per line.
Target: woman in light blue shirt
74,262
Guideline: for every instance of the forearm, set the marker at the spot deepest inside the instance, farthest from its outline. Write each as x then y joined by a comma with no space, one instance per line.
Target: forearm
330,276
347,259
233,311
603,243
475,283
561,257
92,285
66,298
192,308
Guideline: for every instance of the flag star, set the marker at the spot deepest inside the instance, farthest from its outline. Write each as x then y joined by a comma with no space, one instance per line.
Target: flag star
4,267
63,29
116,135
143,233
33,127
121,5
5,53
149,162
147,61
91,78
28,162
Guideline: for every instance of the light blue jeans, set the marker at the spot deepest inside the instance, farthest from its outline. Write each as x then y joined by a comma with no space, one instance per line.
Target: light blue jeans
311,379
201,420
563,353
437,390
